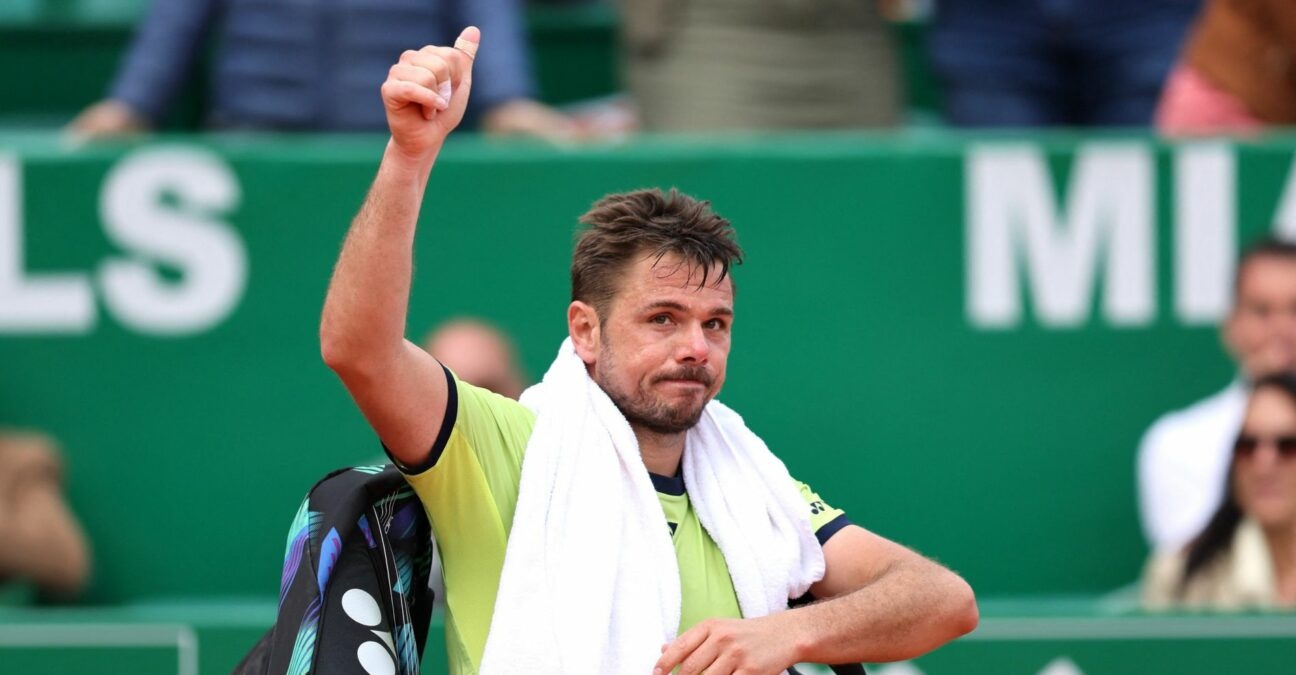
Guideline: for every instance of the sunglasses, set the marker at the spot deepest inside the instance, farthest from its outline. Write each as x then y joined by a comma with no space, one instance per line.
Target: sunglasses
1246,445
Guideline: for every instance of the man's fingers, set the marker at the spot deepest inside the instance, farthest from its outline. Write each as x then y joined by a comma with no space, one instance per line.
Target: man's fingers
439,61
428,70
427,59
433,77
406,73
468,42
400,93
702,658
452,66
725,664
685,644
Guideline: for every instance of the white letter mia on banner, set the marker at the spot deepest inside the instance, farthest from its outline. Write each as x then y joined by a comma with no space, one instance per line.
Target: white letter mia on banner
187,234
1107,222
1010,208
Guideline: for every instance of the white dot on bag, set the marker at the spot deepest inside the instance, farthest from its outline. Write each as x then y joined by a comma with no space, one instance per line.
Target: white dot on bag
375,660
361,607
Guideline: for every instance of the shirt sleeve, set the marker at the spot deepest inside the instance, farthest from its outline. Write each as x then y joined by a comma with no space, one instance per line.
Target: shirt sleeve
470,479
1171,506
825,520
162,54
469,488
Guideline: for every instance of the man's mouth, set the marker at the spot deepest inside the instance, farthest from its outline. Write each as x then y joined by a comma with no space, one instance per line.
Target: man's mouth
684,383
699,377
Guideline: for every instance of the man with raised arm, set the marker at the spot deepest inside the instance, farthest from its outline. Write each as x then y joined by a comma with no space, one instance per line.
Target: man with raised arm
646,528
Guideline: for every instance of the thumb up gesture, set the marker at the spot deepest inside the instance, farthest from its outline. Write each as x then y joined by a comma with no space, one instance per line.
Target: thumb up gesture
426,93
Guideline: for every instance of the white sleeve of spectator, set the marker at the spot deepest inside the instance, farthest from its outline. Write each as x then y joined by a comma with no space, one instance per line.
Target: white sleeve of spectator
1167,491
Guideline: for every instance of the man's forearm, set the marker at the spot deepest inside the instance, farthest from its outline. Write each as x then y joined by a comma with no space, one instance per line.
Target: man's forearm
368,297
913,608
398,386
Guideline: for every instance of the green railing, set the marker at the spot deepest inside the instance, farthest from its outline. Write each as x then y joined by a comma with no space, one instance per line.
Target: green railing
1043,636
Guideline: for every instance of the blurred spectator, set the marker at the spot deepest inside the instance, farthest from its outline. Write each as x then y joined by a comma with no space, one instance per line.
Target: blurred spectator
40,540
1237,72
1184,456
1042,63
313,64
479,354
1246,555
694,65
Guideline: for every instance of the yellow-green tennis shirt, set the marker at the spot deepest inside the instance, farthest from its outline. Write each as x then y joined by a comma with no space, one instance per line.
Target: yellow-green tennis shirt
469,487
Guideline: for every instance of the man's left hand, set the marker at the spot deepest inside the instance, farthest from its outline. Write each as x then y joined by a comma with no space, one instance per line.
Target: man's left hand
761,646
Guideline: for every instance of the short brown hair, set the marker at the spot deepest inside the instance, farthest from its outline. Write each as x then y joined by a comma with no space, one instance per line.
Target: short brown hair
1265,247
624,226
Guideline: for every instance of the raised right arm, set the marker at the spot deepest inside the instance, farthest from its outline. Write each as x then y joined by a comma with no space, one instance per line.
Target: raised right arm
400,388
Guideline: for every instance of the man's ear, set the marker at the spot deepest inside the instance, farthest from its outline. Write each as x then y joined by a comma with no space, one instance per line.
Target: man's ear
583,327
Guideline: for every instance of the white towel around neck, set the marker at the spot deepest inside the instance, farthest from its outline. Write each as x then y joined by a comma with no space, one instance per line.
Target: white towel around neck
590,581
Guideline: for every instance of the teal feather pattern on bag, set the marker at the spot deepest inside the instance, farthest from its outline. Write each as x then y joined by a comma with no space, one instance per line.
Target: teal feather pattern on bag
404,573
299,522
304,648
305,526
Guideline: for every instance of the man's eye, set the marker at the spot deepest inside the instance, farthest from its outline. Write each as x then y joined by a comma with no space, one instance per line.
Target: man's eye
660,319
714,324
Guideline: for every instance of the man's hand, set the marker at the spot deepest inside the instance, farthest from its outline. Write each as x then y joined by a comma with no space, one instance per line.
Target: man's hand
107,118
426,93
525,117
762,646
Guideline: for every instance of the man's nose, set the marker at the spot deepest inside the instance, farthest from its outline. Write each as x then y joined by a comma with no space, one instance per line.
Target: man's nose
693,345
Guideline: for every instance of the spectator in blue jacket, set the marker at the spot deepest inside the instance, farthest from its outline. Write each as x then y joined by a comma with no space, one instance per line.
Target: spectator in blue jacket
311,65
1039,63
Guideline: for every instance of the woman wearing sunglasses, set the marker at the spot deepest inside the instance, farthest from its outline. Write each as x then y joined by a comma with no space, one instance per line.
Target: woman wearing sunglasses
1246,555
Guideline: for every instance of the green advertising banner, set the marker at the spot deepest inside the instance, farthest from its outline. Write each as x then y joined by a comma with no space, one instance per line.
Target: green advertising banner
958,341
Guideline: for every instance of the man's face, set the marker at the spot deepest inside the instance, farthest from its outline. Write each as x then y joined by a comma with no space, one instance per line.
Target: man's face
1261,331
664,343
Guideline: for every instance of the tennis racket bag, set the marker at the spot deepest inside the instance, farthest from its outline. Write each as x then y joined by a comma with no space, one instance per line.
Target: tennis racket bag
354,595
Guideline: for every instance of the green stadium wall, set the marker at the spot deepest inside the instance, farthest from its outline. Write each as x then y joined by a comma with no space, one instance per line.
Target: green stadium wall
959,341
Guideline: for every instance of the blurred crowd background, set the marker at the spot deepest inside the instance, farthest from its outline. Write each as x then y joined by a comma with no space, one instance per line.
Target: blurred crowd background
569,69
1022,277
